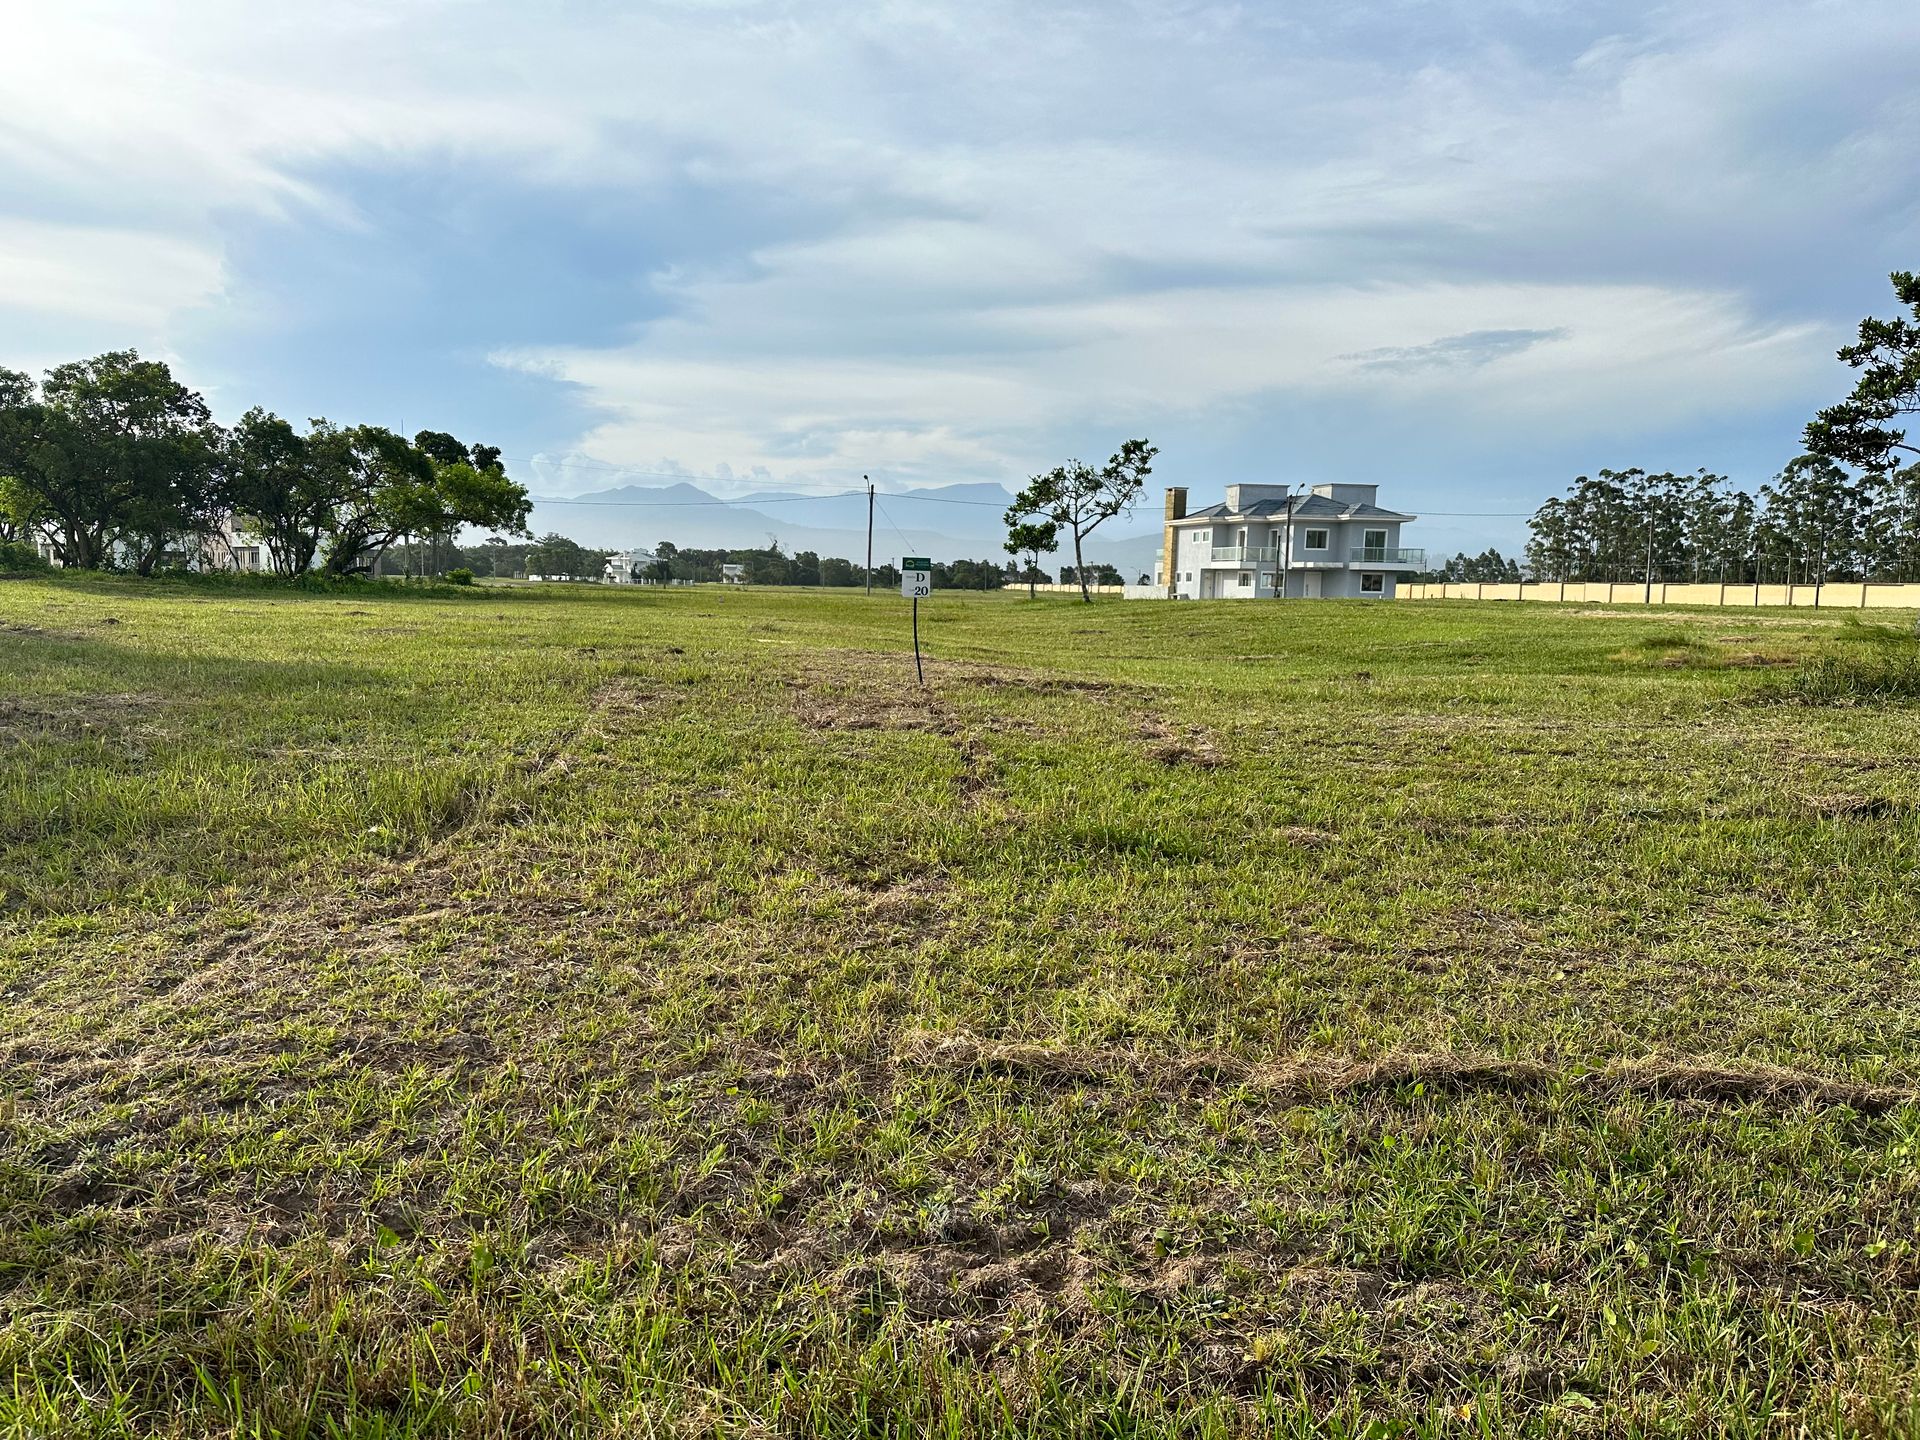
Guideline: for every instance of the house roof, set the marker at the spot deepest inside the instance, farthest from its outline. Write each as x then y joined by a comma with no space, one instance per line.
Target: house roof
1305,507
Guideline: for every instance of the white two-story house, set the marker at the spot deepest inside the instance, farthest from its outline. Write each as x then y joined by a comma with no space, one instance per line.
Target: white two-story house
629,567
1325,542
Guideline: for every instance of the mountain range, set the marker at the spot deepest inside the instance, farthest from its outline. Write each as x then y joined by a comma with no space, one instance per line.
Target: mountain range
946,522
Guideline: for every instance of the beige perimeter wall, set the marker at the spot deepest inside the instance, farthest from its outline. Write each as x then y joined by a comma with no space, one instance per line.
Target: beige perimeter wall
1851,595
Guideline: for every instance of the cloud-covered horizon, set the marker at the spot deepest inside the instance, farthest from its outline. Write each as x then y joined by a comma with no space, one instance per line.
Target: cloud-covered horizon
1461,249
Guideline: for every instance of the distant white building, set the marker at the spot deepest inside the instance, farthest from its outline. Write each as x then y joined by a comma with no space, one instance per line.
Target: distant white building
230,548
1264,541
226,548
733,574
629,567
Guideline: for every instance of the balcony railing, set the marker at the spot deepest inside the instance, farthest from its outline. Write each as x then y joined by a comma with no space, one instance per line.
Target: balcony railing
1246,554
1371,555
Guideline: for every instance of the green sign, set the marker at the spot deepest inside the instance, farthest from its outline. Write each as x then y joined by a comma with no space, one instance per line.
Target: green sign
916,562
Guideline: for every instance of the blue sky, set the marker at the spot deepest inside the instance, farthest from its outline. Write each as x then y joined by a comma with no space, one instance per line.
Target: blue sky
1466,250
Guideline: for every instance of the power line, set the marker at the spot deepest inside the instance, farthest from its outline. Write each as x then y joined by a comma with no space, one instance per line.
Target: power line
896,529
752,501
688,504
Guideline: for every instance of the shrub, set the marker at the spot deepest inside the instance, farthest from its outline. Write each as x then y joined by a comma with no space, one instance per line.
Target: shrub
1856,679
459,577
17,555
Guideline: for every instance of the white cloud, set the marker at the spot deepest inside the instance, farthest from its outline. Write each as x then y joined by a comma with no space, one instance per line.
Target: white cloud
1026,218
1603,357
102,273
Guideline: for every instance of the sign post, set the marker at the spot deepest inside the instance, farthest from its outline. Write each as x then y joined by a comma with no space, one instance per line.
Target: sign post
916,580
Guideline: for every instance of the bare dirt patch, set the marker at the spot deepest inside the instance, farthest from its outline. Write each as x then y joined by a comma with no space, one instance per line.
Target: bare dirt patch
1181,745
73,716
631,695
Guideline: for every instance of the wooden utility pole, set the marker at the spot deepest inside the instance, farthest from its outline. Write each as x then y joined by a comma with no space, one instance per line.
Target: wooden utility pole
869,534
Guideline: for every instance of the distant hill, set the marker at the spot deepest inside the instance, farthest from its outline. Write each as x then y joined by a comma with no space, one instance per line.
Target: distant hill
946,522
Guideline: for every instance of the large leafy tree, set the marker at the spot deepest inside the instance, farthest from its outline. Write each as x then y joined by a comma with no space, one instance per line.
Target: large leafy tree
114,451
22,424
1863,430
284,486
394,488
1080,498
383,483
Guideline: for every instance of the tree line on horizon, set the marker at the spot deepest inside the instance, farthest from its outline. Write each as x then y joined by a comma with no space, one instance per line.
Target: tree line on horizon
556,556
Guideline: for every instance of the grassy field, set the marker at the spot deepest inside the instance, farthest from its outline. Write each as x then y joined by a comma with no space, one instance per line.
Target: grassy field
541,1012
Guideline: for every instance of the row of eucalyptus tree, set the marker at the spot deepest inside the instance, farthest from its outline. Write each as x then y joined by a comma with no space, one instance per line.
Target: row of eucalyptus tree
1847,509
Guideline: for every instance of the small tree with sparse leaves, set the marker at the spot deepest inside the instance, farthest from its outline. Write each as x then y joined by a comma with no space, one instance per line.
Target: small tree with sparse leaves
1081,499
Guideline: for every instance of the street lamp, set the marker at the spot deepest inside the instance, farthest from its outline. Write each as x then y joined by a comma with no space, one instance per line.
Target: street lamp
1286,550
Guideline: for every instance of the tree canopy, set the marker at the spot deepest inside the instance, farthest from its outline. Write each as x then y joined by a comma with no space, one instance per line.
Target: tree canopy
1814,520
1861,431
1032,538
1081,498
118,463
112,451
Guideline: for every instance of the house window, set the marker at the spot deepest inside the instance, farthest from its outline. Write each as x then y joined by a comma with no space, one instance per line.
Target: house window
1373,584
1246,579
1316,539
1203,537
1373,539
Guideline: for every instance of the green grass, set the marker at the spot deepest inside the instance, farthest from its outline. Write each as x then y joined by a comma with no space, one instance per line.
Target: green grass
567,1012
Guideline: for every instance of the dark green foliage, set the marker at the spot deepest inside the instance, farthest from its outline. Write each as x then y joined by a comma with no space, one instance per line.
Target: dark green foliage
555,556
284,486
969,574
1031,538
120,465
17,556
114,454
1489,567
459,575
1085,575
1861,431
1813,522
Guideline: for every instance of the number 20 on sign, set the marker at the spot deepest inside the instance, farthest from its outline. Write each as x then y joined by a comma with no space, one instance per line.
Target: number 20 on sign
916,577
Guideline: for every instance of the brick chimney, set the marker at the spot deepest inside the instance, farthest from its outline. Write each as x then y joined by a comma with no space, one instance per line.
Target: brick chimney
1176,510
